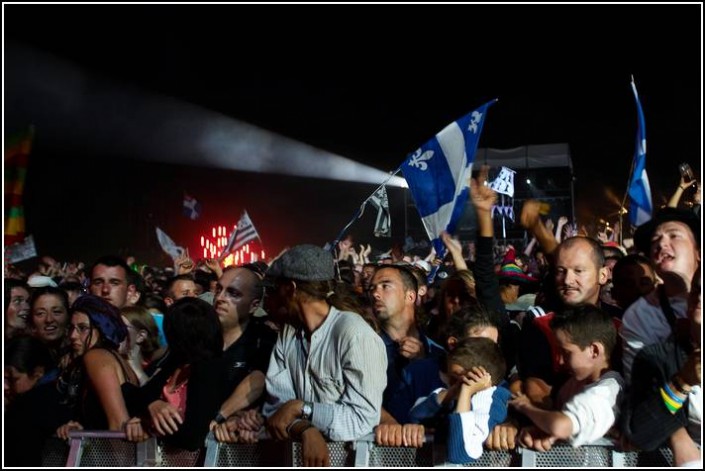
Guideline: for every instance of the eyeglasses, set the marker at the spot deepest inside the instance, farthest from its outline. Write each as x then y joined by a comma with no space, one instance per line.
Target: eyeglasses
81,328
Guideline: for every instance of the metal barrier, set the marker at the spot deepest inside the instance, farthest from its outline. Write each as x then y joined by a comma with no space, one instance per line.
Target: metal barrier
172,457
54,453
264,453
98,449
561,456
598,454
90,448
661,458
110,449
360,453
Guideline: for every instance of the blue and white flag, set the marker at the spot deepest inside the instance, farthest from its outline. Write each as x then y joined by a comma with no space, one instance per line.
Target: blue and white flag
640,206
192,208
437,174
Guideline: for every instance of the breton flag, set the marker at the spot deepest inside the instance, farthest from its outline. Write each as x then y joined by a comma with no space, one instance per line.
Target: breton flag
168,245
192,208
20,251
241,235
437,174
639,190
383,225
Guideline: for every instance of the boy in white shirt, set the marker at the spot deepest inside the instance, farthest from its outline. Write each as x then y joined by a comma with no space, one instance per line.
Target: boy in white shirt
587,405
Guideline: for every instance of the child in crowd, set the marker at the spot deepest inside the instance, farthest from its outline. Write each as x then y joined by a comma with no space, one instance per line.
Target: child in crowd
474,400
587,405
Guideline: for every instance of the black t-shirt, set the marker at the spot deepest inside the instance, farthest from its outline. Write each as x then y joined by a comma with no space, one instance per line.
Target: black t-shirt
249,353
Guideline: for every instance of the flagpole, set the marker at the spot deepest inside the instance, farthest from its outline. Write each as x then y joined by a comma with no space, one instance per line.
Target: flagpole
624,201
626,194
406,213
358,213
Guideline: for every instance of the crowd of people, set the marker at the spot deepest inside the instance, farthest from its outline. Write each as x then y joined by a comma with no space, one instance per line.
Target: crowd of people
571,338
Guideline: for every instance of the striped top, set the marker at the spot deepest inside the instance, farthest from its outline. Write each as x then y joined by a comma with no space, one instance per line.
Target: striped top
342,371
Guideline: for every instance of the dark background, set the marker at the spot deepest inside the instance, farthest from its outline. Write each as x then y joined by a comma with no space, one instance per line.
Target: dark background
370,83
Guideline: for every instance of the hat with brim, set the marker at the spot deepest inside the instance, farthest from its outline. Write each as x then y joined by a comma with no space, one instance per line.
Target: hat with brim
643,234
512,274
304,262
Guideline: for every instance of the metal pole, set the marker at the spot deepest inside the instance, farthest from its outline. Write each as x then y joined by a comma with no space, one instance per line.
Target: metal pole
406,211
504,222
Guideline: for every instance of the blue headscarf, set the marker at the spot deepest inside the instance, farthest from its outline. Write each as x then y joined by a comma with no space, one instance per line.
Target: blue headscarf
104,316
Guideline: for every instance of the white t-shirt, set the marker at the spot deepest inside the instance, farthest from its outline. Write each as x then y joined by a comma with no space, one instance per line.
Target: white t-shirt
592,409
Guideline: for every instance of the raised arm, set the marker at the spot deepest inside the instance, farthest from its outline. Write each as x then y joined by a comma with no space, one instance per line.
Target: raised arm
676,197
487,285
531,220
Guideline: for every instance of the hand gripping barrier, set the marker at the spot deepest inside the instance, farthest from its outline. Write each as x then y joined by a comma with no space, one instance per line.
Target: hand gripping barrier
110,449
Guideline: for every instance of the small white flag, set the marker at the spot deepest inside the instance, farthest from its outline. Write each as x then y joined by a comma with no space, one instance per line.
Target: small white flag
168,245
21,250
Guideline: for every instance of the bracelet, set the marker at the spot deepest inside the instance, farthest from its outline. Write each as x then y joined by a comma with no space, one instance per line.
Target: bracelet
672,406
308,426
674,397
291,425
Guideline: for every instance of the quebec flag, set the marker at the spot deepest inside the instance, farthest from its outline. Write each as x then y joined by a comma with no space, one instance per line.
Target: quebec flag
192,208
640,205
437,174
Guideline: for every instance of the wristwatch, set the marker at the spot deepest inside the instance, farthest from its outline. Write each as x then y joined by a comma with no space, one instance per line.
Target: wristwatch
306,411
220,418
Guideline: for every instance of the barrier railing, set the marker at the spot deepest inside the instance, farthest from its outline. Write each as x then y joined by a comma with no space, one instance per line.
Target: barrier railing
110,449
54,453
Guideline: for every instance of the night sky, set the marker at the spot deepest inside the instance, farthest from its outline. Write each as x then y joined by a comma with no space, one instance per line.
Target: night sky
370,83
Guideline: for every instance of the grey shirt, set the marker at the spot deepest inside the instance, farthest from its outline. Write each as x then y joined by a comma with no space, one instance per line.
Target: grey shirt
342,372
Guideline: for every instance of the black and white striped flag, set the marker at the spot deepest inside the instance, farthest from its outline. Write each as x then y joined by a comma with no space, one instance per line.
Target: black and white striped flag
383,226
241,235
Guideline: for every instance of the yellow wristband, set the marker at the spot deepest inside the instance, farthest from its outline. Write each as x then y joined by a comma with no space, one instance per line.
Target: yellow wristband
671,405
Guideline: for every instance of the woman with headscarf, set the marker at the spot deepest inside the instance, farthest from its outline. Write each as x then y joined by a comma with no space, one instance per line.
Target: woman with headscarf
99,380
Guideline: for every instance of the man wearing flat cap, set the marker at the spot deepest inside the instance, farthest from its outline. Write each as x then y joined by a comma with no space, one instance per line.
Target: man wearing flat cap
672,241
327,372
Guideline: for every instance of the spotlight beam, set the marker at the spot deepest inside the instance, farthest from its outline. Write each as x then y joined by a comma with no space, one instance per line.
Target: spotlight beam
77,108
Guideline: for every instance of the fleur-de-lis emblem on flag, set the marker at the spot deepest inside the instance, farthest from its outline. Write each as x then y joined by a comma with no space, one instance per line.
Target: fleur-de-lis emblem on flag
418,159
476,117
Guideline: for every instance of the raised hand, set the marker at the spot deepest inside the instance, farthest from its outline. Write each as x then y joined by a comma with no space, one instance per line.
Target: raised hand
530,215
184,264
477,379
483,197
452,244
